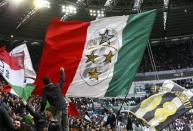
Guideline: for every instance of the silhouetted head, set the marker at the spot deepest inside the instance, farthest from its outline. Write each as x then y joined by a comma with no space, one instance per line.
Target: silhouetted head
41,124
46,80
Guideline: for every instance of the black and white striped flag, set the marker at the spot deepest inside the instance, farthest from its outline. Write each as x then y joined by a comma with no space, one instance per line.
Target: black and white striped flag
161,109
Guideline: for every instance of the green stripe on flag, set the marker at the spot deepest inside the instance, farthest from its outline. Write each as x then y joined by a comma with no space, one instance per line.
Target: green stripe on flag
135,38
23,92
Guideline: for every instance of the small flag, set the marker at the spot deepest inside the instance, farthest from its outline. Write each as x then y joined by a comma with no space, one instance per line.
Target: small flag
11,69
29,73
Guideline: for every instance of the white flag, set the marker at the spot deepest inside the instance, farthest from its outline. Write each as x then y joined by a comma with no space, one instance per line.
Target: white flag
30,74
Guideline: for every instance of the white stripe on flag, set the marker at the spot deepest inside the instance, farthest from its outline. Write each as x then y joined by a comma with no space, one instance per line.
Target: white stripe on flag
83,85
14,77
30,74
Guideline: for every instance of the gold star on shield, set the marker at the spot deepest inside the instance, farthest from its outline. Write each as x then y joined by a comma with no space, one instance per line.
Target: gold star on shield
91,57
94,74
108,57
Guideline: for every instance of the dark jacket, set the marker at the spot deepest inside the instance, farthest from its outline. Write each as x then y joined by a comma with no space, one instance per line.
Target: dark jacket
5,120
54,126
111,119
129,125
42,122
52,93
39,120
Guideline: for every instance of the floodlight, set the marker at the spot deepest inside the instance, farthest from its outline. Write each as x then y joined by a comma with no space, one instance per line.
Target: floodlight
98,13
16,1
69,9
41,4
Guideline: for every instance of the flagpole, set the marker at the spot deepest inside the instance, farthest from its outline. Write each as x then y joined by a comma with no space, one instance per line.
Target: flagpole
118,113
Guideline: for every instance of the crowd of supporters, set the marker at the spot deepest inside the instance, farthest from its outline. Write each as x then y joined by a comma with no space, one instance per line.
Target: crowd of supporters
184,122
168,57
94,113
15,116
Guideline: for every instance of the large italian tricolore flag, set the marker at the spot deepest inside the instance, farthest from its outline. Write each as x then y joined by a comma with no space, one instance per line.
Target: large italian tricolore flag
100,57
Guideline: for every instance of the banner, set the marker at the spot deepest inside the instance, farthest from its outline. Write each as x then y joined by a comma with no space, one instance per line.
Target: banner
161,109
100,57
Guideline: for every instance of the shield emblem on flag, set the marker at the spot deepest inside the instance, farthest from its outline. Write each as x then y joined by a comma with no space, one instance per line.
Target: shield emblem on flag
100,55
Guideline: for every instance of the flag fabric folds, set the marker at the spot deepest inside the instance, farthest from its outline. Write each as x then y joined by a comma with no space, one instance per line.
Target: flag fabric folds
161,109
100,57
13,71
29,72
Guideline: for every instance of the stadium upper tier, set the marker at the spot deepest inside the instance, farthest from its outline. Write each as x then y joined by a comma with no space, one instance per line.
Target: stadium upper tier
173,18
169,56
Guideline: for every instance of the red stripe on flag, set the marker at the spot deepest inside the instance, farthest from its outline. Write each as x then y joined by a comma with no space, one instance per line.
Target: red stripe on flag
9,60
72,110
64,45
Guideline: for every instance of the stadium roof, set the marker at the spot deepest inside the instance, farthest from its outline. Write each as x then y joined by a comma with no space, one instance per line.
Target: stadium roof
179,16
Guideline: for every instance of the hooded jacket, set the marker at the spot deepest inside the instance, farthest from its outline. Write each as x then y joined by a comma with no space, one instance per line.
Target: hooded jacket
52,93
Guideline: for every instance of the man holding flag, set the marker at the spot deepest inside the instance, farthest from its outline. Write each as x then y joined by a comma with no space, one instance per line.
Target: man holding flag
52,93
101,57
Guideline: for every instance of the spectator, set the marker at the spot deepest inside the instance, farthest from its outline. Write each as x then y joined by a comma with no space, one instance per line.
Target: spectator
39,119
6,123
111,119
53,124
52,93
129,124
